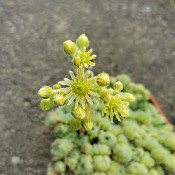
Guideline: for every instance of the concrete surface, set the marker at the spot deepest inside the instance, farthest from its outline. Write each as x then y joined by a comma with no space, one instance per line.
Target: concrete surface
135,37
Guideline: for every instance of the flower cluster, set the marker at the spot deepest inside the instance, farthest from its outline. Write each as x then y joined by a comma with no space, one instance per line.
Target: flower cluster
83,87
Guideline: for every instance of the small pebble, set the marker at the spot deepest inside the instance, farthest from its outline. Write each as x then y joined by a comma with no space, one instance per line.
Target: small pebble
15,160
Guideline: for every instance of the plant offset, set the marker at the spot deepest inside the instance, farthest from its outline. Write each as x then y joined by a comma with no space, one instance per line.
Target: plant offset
86,143
83,87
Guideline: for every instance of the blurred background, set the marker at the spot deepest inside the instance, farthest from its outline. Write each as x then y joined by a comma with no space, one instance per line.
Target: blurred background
134,37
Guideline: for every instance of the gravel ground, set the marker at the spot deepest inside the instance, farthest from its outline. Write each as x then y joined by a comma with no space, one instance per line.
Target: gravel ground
134,37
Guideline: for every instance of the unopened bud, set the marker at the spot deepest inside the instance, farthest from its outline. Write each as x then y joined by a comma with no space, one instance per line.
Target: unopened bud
77,59
75,124
105,96
79,112
82,41
91,74
46,104
69,47
118,86
87,123
45,92
56,86
128,97
111,91
115,92
59,99
103,79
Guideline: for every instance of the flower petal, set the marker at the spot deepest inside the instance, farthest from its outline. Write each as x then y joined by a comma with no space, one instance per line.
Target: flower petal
91,63
71,100
76,103
83,103
90,51
65,90
92,57
69,81
68,95
72,76
86,75
89,100
94,94
64,83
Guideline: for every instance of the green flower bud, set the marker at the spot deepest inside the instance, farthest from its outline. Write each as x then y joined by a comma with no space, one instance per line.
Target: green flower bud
87,123
82,41
115,91
45,92
59,99
75,124
105,95
118,85
91,74
56,86
59,167
69,47
77,59
103,79
79,112
128,97
111,91
46,104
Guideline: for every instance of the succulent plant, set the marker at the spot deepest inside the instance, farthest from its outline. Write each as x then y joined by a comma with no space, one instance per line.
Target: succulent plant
140,144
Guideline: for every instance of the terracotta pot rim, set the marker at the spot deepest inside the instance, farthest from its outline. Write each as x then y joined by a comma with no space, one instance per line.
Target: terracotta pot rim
155,103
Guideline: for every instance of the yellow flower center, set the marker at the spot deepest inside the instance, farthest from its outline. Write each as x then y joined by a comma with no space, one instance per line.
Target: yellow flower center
80,88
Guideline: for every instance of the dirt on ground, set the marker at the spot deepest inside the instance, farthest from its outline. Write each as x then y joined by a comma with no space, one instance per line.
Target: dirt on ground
133,37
